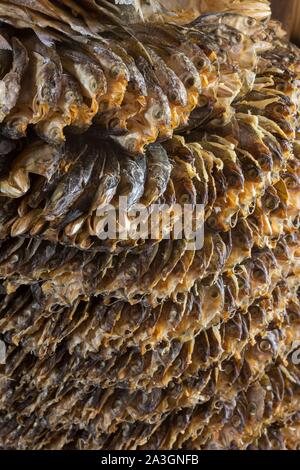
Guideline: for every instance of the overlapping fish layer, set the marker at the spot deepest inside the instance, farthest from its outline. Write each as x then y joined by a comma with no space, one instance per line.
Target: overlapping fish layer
145,343
137,83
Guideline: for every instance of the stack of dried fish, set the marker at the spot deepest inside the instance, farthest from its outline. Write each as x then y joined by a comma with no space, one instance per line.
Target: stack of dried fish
135,85
143,343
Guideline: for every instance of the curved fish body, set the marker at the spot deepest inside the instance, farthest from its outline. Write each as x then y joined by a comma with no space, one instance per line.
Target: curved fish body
40,89
89,76
159,170
134,97
40,159
152,121
74,183
71,110
10,83
116,74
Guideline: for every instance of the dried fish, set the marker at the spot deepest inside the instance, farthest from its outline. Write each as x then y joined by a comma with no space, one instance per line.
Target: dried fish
148,342
10,84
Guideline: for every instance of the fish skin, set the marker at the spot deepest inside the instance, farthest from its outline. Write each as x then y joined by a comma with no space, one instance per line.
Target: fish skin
73,184
180,62
44,7
39,159
5,52
168,80
247,24
189,75
10,85
155,119
37,98
82,207
51,79
76,62
21,17
159,170
135,77
42,188
109,180
116,74
134,98
70,111
98,192
132,179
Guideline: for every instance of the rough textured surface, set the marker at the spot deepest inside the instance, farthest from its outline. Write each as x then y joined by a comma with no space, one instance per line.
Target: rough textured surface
146,344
